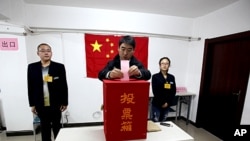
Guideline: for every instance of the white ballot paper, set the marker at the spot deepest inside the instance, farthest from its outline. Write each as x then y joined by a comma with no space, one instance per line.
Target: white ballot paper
124,69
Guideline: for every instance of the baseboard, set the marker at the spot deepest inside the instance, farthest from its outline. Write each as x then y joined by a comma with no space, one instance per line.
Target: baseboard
19,133
68,125
65,125
2,128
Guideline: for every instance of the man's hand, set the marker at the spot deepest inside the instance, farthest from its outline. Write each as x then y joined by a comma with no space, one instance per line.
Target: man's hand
165,105
134,71
63,108
33,110
115,73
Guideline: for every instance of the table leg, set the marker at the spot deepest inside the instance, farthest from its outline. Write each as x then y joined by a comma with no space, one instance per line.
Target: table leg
180,101
177,110
189,106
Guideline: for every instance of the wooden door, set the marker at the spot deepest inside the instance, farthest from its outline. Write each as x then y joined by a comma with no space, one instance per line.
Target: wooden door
225,75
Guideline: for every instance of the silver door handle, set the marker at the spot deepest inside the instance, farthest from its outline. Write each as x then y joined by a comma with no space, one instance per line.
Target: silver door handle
237,93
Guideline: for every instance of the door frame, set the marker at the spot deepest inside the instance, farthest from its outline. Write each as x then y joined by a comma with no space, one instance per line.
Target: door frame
205,70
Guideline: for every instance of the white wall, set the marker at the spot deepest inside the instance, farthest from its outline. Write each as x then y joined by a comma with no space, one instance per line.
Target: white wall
84,90
245,115
175,50
88,91
231,19
13,10
86,94
97,19
15,112
54,40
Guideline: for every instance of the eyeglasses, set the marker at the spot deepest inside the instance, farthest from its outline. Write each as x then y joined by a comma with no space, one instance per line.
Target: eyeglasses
43,51
164,63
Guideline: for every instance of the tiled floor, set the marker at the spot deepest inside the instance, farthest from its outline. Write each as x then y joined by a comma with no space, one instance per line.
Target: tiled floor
198,134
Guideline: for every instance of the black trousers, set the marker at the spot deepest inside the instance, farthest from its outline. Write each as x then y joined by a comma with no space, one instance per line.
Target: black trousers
50,118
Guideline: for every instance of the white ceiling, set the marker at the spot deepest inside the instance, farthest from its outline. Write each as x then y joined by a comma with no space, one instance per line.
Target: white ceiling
180,8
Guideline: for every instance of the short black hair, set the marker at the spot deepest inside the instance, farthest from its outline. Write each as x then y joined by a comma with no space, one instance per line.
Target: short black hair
42,45
127,40
164,58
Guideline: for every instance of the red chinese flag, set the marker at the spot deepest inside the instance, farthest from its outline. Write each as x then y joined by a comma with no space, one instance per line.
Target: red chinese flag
102,48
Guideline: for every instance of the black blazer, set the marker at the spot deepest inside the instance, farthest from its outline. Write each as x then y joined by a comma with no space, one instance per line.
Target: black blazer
161,94
146,75
58,88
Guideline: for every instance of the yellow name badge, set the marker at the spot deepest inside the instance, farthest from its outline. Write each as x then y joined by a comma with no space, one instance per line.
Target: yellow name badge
167,86
48,78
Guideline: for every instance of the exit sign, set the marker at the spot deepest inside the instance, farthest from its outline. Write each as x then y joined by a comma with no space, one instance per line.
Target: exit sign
8,44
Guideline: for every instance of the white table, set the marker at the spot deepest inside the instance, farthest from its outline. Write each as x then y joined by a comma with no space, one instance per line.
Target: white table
96,133
184,97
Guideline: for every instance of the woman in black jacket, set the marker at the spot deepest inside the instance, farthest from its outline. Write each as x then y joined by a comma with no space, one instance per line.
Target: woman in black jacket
164,90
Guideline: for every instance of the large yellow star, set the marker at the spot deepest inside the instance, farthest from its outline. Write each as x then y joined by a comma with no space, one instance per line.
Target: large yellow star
96,46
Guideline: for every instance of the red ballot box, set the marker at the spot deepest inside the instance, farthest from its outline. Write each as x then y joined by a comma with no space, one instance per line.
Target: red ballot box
125,109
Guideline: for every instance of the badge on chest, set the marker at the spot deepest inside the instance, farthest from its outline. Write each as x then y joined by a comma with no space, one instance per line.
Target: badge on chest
48,78
167,86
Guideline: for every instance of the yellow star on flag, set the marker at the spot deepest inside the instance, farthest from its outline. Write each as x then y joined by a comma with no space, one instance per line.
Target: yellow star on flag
96,46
